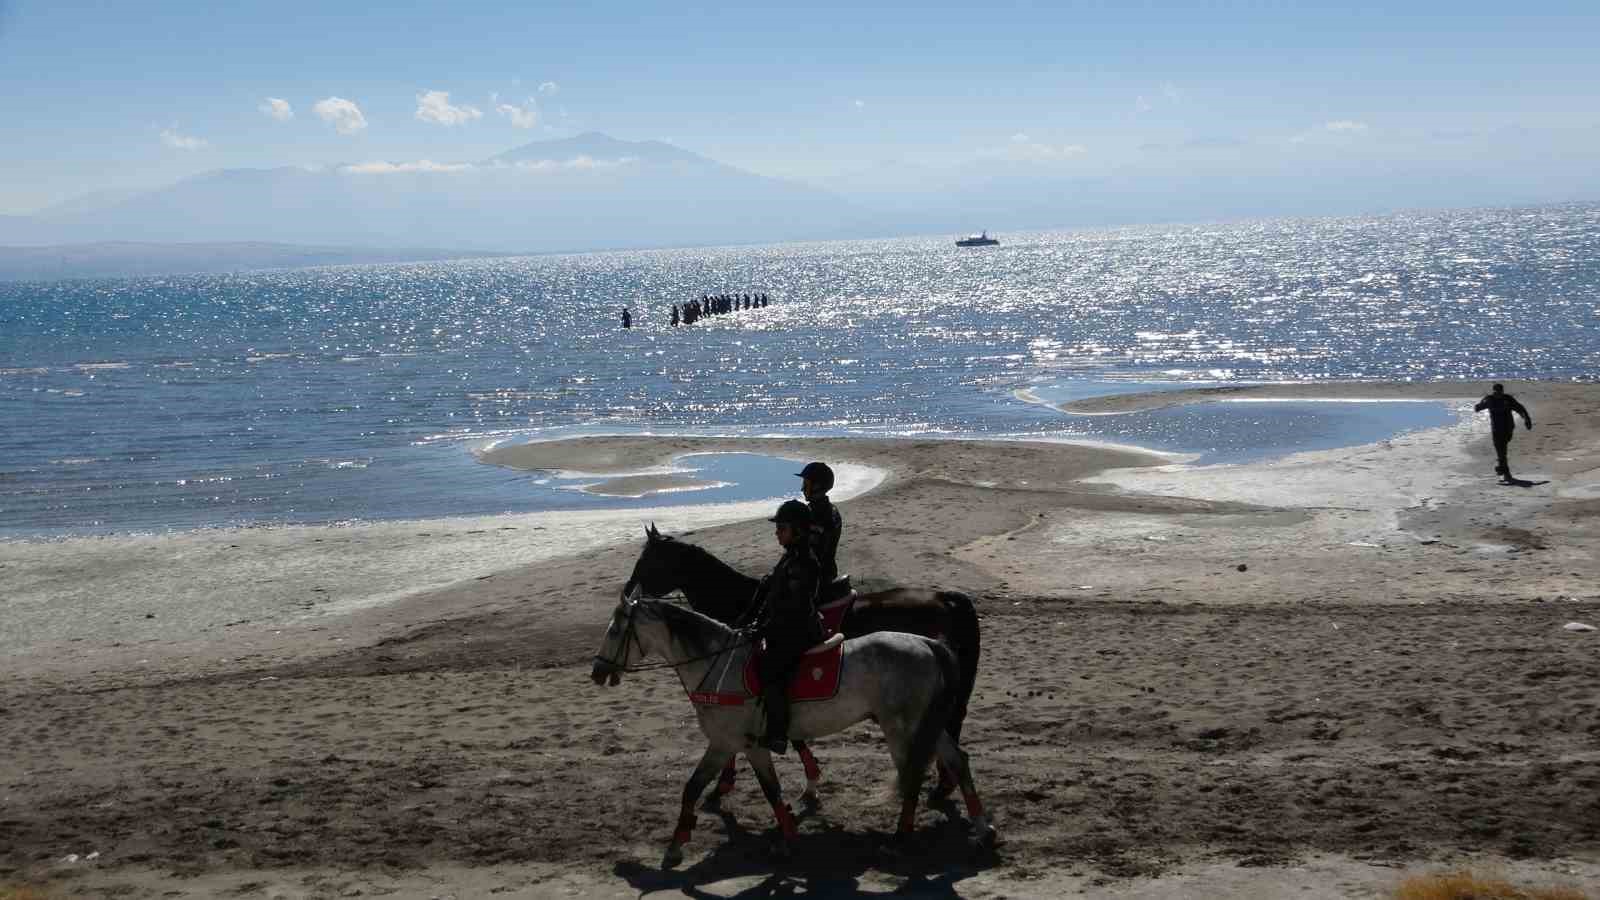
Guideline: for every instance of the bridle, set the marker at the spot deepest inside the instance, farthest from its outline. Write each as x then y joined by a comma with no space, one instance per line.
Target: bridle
630,636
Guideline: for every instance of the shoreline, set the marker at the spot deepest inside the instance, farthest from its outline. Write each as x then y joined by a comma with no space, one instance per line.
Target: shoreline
135,600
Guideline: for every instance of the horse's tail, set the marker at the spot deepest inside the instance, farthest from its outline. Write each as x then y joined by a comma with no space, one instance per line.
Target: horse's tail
963,638
935,719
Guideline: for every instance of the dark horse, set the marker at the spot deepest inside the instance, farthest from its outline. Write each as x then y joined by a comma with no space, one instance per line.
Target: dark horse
716,589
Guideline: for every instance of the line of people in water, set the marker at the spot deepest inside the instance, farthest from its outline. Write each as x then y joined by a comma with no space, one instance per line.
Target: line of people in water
715,305
707,305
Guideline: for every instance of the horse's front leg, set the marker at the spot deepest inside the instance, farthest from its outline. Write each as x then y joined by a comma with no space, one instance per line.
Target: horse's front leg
809,796
761,762
712,761
725,783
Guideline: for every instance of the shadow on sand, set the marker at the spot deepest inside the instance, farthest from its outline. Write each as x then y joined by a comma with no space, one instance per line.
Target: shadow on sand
1521,482
827,861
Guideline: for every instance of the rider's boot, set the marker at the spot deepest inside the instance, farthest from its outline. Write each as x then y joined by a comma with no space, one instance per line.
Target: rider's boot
776,700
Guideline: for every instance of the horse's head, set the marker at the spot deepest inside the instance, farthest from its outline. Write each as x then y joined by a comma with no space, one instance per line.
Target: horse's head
619,647
658,571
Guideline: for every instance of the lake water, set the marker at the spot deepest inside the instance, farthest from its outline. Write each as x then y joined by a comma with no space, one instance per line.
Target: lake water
360,392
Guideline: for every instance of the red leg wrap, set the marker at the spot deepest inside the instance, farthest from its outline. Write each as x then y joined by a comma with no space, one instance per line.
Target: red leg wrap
685,825
813,771
908,817
785,820
974,805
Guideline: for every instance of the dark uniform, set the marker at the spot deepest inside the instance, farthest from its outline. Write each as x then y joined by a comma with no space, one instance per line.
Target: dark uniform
792,626
1502,426
827,526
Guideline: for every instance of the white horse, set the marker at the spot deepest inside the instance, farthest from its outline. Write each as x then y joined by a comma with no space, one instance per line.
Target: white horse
906,683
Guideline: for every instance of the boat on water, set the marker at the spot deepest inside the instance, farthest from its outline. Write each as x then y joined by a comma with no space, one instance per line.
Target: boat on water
977,240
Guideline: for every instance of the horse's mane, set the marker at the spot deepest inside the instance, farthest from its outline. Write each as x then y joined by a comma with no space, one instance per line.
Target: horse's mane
704,556
679,617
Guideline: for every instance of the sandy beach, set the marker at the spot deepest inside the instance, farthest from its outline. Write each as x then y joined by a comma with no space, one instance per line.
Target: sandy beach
1304,677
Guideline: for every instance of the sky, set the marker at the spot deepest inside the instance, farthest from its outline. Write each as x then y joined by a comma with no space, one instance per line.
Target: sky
136,95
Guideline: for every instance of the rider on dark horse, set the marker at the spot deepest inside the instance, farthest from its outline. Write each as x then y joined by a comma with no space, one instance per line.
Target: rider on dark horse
791,627
827,526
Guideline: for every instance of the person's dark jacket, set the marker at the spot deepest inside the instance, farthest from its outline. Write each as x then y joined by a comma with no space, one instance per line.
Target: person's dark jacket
1501,407
791,595
827,526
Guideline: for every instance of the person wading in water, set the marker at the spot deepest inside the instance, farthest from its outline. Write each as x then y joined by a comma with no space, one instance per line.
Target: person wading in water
827,526
1502,426
791,626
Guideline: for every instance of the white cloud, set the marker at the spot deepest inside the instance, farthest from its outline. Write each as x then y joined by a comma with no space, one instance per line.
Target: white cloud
276,108
525,116
389,168
343,115
1331,132
549,88
1166,95
1026,148
861,104
577,162
176,141
435,107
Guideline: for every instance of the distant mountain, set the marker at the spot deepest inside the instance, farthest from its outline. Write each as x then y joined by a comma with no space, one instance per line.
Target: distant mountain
127,258
587,192
86,204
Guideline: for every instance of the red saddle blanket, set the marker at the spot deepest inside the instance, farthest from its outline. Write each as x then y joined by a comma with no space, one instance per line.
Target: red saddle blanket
815,678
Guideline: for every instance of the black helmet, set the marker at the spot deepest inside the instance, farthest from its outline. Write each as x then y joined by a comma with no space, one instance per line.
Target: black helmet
793,512
820,473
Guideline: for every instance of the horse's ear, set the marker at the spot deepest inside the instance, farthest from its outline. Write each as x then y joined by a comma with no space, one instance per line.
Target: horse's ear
652,533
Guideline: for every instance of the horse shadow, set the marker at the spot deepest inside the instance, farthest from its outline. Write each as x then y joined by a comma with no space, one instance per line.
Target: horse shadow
827,861
1521,482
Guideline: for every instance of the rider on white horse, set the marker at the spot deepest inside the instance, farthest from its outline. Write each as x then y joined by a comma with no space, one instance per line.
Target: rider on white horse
792,626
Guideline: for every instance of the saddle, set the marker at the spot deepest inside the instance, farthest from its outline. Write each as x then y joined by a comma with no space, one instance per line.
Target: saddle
816,676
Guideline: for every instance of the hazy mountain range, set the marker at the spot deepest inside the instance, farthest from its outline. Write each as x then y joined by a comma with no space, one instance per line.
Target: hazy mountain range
595,192
581,193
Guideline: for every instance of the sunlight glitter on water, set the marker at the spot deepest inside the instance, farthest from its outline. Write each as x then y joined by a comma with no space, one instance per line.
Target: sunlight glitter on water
400,364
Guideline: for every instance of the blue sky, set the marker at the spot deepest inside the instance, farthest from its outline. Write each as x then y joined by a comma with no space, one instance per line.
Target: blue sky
135,95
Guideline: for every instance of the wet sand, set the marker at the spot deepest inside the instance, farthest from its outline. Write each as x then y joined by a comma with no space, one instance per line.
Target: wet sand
1308,676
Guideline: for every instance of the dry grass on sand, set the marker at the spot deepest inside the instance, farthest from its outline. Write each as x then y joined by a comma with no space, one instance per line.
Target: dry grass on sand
1467,885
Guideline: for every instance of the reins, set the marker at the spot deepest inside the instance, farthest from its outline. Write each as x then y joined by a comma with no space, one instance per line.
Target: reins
631,635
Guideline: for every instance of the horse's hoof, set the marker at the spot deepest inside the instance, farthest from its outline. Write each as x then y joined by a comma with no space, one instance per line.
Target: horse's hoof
984,840
673,857
810,801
